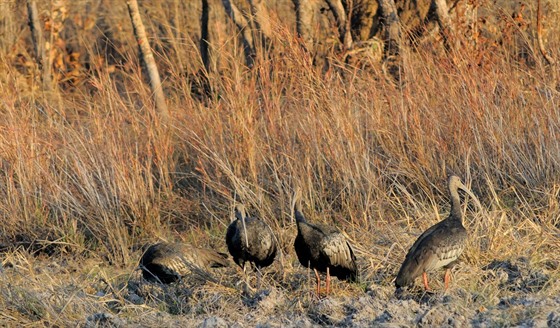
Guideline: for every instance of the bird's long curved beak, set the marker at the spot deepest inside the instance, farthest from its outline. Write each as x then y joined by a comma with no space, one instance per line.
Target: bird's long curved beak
470,193
295,199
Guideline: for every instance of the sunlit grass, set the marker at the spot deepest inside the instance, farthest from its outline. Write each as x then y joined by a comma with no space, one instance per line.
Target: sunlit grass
92,174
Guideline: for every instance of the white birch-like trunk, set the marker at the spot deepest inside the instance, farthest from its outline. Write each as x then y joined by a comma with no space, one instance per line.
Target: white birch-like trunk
147,57
304,21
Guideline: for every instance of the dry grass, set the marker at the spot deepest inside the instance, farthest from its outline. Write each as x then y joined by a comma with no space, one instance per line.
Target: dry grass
87,175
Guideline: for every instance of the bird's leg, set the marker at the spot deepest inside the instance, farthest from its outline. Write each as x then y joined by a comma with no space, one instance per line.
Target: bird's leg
318,282
447,278
425,278
309,278
328,281
259,277
247,284
245,276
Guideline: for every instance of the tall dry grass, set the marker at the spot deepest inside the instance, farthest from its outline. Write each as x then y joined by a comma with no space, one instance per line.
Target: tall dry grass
87,168
88,174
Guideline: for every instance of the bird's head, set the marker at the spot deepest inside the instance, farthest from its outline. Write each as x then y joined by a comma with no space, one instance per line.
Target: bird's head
240,211
296,206
455,183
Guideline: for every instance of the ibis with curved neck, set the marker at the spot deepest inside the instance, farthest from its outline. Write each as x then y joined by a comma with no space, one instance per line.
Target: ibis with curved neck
440,245
250,241
323,248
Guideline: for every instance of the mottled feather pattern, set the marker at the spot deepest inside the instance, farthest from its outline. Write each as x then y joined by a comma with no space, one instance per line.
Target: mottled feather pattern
322,246
175,265
255,243
168,262
440,245
337,249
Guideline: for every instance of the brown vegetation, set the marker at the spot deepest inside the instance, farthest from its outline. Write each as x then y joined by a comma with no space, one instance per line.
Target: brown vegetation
86,178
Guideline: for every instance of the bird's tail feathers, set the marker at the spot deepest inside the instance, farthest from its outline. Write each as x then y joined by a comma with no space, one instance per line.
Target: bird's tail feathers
218,260
407,274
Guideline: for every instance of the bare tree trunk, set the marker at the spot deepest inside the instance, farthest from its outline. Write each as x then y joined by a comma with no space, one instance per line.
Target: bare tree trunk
38,43
147,57
392,39
392,34
363,12
261,17
441,11
205,35
342,22
542,49
243,25
304,21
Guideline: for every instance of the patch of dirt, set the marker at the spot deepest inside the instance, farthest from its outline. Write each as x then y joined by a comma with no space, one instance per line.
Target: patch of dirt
508,293
517,275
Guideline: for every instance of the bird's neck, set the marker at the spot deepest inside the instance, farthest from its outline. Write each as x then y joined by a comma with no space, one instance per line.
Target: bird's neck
239,216
455,204
299,217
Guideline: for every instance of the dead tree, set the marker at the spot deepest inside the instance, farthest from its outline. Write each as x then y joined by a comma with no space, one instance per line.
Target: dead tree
540,41
342,22
205,35
304,21
392,29
38,43
243,25
147,58
439,8
261,18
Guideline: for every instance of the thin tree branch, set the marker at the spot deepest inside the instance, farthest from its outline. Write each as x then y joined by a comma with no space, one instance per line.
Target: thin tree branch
205,35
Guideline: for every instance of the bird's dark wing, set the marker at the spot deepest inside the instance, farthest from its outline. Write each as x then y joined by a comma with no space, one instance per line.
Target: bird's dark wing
435,248
339,252
423,236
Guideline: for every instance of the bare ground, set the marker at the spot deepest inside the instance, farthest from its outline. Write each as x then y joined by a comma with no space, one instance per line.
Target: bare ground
63,290
88,170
